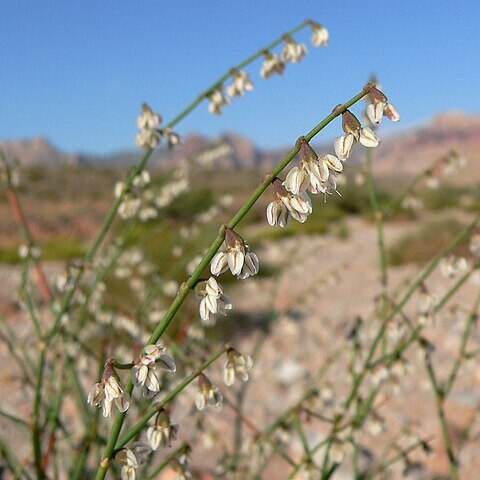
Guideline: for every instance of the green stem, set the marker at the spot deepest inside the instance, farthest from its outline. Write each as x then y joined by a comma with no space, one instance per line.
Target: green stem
227,74
463,346
36,430
167,461
138,427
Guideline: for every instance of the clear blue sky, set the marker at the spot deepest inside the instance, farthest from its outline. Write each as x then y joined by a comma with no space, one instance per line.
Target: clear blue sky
77,71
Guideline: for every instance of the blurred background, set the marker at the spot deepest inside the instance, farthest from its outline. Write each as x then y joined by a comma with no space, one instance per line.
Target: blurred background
72,81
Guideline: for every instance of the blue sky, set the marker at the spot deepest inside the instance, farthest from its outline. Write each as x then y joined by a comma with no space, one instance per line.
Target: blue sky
77,72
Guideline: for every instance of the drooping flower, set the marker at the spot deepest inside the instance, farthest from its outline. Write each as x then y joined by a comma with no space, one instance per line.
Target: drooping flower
109,391
320,34
148,367
237,256
451,265
148,123
217,101
207,394
240,83
271,64
287,204
162,432
293,51
380,106
237,366
353,131
213,300
129,469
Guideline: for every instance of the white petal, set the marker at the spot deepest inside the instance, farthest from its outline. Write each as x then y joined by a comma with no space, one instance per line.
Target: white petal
368,138
343,146
272,213
375,112
212,287
211,303
219,263
333,163
204,313
235,261
391,113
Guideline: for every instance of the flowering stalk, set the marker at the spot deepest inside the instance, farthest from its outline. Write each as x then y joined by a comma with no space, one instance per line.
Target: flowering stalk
138,426
212,250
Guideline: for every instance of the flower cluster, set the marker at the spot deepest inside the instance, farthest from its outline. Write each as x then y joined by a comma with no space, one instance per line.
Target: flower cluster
379,106
286,204
150,133
213,300
237,366
353,132
162,432
147,369
109,391
207,394
237,256
292,51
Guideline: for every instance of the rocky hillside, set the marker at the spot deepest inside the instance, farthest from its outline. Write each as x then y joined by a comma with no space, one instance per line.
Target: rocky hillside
404,153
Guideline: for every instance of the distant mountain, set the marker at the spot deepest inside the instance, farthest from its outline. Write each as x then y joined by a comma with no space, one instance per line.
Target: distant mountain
404,153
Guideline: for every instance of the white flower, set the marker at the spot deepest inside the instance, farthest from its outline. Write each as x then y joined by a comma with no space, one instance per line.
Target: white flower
237,256
129,470
311,174
320,35
368,138
129,206
147,369
240,82
293,51
286,204
475,243
380,106
148,138
173,139
343,145
271,64
411,202
277,214
426,301
213,299
163,432
207,394
217,100
236,366
109,391
142,179
353,131
451,265
147,213
148,119
120,189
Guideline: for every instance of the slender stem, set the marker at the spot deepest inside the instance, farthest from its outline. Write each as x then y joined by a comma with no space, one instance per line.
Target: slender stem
217,83
439,401
463,346
167,461
36,430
